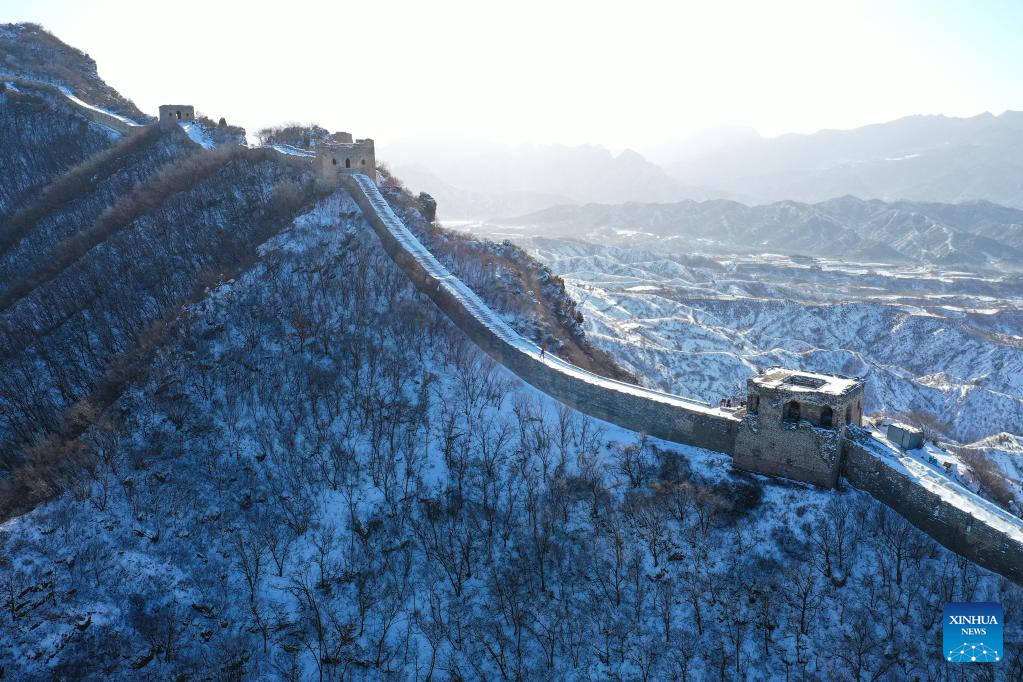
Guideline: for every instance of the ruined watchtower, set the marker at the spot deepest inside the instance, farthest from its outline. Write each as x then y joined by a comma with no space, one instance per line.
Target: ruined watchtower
345,157
172,113
794,424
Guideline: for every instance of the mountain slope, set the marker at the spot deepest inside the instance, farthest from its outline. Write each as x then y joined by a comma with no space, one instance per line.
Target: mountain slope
239,445
32,52
944,348
72,330
977,235
76,198
482,176
42,135
322,476
922,158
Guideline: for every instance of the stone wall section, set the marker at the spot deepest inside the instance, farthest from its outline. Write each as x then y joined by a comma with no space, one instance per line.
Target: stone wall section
799,451
700,428
116,123
998,549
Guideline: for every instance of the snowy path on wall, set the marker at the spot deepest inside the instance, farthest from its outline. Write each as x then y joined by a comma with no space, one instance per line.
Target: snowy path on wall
952,492
293,151
71,96
947,489
67,92
486,316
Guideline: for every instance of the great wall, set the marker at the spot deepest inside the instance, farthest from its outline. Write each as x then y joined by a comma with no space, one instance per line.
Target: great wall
116,122
798,425
954,516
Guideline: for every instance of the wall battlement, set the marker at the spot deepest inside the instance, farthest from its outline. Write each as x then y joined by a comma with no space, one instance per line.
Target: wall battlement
958,519
794,424
335,158
171,114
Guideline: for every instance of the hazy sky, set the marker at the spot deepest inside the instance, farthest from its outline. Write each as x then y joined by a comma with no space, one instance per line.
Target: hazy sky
620,74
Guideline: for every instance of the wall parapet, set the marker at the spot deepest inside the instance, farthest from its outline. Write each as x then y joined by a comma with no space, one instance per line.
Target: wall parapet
661,415
963,522
121,124
956,518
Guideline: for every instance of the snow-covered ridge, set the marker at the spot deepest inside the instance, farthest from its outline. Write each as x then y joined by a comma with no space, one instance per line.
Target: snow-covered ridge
1001,527
102,116
944,487
492,321
106,112
197,134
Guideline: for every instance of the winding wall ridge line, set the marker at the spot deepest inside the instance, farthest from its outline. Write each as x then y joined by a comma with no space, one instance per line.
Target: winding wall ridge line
989,537
117,122
662,415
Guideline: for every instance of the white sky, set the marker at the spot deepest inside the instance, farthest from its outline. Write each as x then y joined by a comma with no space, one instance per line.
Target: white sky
620,74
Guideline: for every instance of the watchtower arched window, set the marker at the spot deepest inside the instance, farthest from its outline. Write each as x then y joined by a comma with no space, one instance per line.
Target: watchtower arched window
363,162
848,415
792,411
333,162
754,402
348,163
827,417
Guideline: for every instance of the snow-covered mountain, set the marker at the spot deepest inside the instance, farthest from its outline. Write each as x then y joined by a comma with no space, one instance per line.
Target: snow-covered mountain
974,235
485,180
935,159
920,158
940,345
320,475
29,50
236,443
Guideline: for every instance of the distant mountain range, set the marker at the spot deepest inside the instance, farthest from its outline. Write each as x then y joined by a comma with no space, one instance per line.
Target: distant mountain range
921,158
918,158
977,234
473,179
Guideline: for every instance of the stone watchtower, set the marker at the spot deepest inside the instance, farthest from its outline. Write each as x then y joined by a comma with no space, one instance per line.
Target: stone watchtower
795,422
172,113
343,156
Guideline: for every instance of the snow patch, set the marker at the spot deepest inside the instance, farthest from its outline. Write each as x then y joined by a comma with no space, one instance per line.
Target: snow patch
293,151
197,134
82,103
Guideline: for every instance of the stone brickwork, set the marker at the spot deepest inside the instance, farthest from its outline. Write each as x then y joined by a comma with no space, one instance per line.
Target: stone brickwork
119,123
794,424
344,158
761,440
171,114
998,549
115,122
701,428
800,451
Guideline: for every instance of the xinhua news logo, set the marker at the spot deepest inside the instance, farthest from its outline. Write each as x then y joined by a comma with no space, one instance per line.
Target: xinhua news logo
972,632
